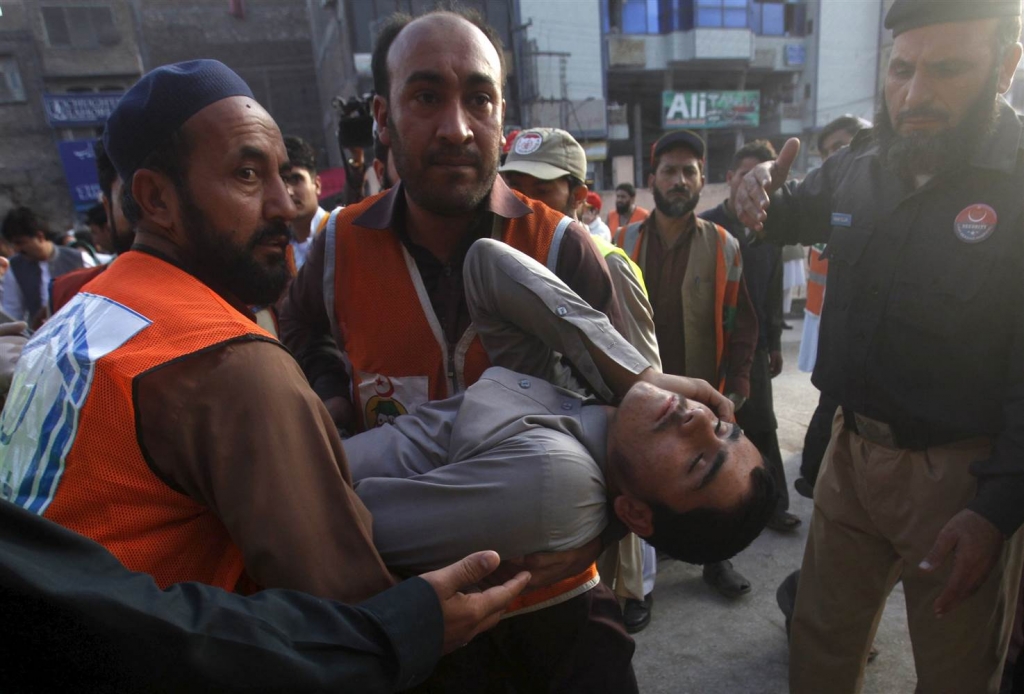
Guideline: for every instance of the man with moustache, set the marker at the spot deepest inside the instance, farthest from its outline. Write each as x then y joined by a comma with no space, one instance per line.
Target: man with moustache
921,340
384,285
704,321
626,210
154,416
131,417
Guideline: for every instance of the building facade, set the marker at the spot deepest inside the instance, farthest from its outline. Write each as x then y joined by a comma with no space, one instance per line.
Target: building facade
734,70
65,64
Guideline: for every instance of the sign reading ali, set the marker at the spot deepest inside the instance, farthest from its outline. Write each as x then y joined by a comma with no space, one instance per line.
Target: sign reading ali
702,110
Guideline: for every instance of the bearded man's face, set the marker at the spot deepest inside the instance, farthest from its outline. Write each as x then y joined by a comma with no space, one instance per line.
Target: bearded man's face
940,96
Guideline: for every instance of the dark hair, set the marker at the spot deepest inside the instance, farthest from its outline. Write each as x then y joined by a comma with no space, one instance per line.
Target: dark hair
104,168
169,158
849,124
96,215
708,535
627,188
22,222
300,153
393,26
761,150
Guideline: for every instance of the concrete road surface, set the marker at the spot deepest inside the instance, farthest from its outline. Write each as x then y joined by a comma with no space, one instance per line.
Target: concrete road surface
701,643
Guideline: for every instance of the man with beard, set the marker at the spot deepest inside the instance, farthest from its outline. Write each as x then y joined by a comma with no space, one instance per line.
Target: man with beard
119,238
384,284
154,416
703,318
626,211
921,340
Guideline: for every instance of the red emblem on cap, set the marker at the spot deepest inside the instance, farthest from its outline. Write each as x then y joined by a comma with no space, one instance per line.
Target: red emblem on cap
975,223
527,143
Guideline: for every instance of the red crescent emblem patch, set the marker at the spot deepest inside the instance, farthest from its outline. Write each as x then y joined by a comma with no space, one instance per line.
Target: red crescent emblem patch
975,223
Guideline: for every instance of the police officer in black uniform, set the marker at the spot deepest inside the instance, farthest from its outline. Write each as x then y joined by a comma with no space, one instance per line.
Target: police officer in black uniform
922,344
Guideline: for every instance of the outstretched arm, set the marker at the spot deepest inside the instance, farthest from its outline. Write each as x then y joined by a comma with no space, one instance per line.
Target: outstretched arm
527,317
122,626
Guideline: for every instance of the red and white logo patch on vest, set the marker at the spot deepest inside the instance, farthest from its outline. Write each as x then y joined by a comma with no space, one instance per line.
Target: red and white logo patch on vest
975,223
384,398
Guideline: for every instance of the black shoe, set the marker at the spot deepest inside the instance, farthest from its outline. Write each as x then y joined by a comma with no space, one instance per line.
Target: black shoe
726,580
785,596
786,326
804,487
637,613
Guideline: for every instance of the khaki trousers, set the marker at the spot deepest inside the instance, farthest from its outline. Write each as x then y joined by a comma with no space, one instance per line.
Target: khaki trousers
877,512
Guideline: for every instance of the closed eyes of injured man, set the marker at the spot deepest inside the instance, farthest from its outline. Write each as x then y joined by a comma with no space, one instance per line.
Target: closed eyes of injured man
522,466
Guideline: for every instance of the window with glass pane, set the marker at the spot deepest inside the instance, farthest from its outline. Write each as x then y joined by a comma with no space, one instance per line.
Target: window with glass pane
11,89
708,14
653,20
79,27
56,26
773,19
735,19
634,17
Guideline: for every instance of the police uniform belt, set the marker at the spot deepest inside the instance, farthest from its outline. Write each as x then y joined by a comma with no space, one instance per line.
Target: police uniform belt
909,434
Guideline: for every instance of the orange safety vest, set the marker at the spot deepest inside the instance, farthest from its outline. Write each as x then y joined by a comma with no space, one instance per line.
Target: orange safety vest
816,280
617,226
382,315
69,447
728,271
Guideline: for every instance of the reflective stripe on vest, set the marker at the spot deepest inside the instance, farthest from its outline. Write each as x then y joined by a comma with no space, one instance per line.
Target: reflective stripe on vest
69,447
554,594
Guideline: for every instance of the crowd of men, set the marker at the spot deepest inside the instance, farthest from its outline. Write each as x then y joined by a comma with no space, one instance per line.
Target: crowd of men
437,439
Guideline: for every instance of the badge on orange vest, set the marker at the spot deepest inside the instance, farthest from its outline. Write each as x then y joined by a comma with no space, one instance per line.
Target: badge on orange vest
975,223
384,398
40,420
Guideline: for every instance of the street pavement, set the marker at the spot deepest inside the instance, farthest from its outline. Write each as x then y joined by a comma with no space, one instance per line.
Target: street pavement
701,643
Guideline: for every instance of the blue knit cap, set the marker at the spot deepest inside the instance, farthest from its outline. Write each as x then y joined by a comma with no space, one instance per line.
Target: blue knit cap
160,103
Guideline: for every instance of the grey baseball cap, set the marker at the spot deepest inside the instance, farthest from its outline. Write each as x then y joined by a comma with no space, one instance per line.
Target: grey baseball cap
547,154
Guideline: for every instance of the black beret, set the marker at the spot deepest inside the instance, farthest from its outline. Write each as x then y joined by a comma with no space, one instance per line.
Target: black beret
678,138
160,103
911,14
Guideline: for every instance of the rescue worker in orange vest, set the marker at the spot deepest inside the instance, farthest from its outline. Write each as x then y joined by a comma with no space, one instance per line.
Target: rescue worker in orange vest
384,280
153,415
705,323
626,210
